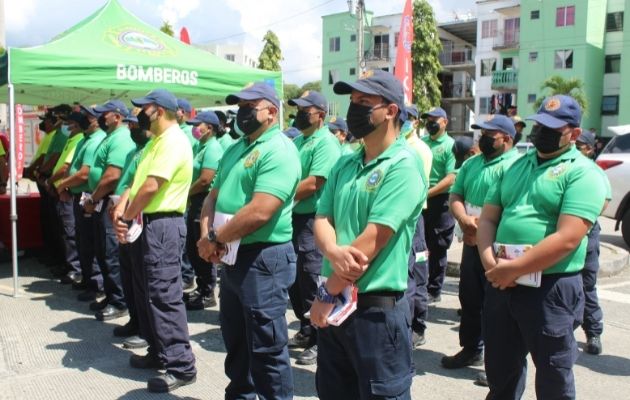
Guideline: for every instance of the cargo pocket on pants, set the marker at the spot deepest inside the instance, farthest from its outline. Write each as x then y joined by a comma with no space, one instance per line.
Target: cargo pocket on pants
163,285
269,331
393,388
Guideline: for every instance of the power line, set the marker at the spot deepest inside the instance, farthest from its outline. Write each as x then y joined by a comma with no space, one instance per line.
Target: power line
272,23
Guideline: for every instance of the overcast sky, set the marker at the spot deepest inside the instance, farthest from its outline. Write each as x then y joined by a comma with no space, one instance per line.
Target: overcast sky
297,23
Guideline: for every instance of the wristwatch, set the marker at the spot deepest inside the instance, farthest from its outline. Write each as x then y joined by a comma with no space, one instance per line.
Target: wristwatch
212,237
127,222
324,296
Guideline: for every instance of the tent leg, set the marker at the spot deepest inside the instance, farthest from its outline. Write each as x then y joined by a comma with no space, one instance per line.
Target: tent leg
13,189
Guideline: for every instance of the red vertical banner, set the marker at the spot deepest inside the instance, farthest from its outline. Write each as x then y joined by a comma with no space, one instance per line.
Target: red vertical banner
184,36
403,52
19,141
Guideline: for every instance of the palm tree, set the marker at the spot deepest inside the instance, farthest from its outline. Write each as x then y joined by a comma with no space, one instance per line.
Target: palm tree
573,87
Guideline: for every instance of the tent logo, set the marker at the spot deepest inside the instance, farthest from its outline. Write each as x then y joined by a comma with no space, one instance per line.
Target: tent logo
140,41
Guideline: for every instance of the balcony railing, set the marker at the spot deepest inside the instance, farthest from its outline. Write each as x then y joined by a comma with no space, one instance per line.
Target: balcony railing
505,79
379,53
457,56
507,40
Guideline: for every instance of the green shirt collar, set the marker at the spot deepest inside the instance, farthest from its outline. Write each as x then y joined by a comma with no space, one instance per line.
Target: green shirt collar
570,154
440,139
388,153
508,154
268,134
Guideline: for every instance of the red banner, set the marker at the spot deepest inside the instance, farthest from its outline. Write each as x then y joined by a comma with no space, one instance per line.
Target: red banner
19,141
183,35
403,54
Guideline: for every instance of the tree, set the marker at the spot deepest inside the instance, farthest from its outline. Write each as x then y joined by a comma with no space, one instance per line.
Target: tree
271,55
315,85
167,28
425,57
556,84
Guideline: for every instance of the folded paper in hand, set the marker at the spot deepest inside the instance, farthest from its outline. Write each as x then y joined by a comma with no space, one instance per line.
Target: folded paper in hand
512,251
135,229
229,257
85,196
344,306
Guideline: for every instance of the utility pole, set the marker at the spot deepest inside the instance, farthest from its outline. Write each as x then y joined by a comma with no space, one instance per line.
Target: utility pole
360,45
3,107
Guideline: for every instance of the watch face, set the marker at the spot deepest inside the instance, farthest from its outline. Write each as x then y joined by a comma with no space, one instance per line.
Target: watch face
321,293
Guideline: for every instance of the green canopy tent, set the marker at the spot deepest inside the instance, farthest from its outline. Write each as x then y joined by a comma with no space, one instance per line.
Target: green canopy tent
113,54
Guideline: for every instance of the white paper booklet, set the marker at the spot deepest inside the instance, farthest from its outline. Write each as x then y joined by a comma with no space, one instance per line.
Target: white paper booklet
471,210
229,257
135,229
85,196
346,304
512,251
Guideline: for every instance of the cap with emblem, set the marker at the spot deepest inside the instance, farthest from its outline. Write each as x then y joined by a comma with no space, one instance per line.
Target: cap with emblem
116,106
310,98
437,112
160,97
558,111
497,122
255,91
336,123
376,82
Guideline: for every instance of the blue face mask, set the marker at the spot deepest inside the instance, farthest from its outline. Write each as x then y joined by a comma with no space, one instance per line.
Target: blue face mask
407,126
65,130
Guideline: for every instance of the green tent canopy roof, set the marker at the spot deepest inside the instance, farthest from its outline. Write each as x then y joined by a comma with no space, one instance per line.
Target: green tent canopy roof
113,54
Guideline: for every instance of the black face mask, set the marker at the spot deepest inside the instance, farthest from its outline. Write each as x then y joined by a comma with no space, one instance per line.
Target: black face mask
101,123
42,126
358,119
302,120
517,137
144,120
247,121
433,128
139,136
486,145
546,140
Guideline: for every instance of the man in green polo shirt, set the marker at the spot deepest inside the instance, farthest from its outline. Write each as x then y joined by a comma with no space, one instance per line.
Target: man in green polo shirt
253,191
474,179
102,179
319,150
539,211
75,184
365,223
158,196
438,221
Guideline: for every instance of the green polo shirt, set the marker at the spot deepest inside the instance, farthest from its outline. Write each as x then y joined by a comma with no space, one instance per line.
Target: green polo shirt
167,156
318,153
84,154
533,196
443,158
269,165
187,129
226,141
2,152
477,176
42,149
67,153
390,191
129,170
350,148
57,143
112,151
208,155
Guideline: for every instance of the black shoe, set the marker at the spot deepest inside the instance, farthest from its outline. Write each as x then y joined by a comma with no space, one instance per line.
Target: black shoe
146,361
111,312
417,339
135,342
80,285
90,295
59,271
308,356
129,329
299,340
188,286
71,277
594,345
482,380
459,312
434,299
200,301
167,382
463,359
98,305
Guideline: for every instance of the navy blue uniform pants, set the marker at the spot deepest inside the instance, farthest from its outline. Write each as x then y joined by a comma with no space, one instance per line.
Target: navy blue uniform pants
162,316
50,227
539,321
418,272
593,314
67,234
368,356
86,246
126,256
438,227
253,301
309,265
206,272
107,256
472,291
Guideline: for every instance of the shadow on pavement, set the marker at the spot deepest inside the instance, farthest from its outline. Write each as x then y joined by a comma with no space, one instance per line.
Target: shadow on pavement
303,382
210,340
429,362
605,363
143,394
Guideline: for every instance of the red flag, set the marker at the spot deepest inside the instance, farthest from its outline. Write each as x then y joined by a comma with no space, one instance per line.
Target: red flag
403,53
183,35
19,140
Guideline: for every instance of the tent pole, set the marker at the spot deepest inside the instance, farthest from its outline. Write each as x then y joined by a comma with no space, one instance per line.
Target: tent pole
13,188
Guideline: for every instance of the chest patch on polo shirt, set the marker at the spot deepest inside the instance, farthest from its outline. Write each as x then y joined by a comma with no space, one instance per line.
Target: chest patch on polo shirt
374,180
251,158
439,150
557,171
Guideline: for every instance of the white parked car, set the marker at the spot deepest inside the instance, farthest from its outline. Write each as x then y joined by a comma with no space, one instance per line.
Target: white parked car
615,161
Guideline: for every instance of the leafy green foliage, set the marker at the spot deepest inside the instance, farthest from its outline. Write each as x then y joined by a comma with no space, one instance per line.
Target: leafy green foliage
425,57
167,28
573,87
271,54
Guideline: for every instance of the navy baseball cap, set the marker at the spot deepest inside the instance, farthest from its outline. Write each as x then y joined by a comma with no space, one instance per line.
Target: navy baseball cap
206,117
184,105
587,138
462,145
77,117
337,123
376,82
558,111
49,115
89,111
255,91
292,132
435,112
310,98
412,111
159,97
116,106
497,122
130,118
518,120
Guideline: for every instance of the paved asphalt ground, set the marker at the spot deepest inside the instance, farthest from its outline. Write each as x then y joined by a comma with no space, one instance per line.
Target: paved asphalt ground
51,347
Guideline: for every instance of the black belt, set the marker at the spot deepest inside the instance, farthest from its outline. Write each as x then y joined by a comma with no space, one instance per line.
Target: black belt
162,215
256,247
378,299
